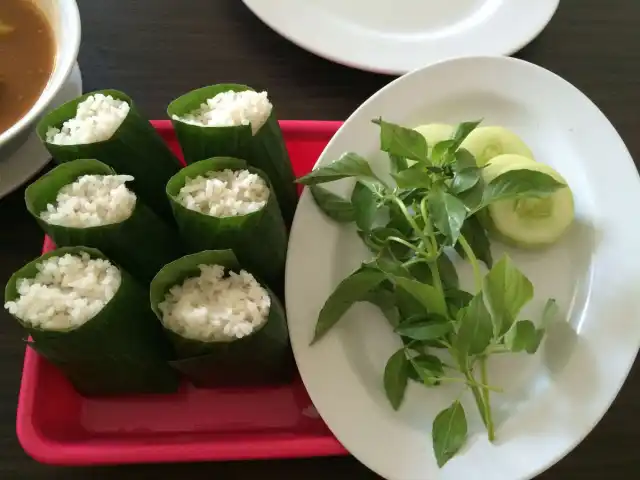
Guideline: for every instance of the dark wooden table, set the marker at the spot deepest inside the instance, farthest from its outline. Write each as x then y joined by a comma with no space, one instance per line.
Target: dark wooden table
158,49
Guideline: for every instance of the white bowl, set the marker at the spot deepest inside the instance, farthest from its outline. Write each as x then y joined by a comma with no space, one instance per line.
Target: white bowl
64,19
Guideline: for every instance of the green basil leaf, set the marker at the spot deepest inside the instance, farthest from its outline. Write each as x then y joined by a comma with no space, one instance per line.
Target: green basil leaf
396,376
524,336
398,221
385,299
476,328
398,164
447,271
425,294
448,214
449,433
472,198
408,305
520,183
402,142
463,131
379,243
392,268
465,180
441,152
415,176
550,313
421,272
348,165
365,204
352,289
428,328
429,368
464,160
506,290
332,205
456,300
477,238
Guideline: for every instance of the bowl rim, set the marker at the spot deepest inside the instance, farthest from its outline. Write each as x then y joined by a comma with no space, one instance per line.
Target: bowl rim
72,42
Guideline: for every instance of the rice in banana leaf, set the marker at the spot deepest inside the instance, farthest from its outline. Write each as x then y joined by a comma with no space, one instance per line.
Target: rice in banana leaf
83,202
221,203
226,328
92,320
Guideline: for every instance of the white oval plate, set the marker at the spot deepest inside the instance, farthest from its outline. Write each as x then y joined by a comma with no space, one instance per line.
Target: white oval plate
398,36
32,156
552,399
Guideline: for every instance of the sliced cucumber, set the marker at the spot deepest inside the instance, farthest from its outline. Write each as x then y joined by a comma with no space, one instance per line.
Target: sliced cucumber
528,222
434,133
485,143
503,163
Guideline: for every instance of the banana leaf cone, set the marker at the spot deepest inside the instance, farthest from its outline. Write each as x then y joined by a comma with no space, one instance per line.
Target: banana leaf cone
134,149
142,244
265,150
261,358
259,239
121,350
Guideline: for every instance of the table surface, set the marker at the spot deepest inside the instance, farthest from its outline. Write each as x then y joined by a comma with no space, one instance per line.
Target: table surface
158,49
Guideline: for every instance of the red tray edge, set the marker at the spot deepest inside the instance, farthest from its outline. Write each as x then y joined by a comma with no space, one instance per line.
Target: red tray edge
46,451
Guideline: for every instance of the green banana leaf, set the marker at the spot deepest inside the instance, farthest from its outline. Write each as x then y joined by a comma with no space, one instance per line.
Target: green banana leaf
122,350
135,149
258,239
264,357
265,150
142,244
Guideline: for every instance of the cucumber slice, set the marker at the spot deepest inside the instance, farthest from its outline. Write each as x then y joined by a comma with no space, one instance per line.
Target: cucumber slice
485,143
528,222
434,133
503,163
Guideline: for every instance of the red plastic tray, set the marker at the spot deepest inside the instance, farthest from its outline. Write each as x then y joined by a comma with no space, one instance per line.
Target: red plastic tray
56,425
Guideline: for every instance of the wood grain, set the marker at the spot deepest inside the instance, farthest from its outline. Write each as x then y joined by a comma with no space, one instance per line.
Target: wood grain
158,49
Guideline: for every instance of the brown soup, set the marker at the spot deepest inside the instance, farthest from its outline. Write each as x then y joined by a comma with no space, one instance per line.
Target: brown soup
27,54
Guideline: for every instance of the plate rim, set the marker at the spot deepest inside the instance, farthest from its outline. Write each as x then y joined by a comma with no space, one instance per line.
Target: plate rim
578,434
265,11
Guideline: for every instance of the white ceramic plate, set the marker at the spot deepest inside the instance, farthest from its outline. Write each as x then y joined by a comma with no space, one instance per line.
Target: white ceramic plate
32,156
397,36
552,399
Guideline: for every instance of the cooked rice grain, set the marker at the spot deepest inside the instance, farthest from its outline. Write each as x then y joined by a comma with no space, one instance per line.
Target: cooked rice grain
230,109
97,118
215,308
91,201
225,193
66,292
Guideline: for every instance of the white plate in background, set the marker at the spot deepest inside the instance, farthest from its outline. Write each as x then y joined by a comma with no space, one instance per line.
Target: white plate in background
32,156
398,36
553,399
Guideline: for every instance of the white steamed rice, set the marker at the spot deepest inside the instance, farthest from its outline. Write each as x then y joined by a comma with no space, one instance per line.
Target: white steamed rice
66,292
225,193
230,109
97,119
91,201
215,308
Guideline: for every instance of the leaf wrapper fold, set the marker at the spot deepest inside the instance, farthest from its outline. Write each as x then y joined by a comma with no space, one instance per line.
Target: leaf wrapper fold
265,150
263,357
121,350
134,149
142,244
259,239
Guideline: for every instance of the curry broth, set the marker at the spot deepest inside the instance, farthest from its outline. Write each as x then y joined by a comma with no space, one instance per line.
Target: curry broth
27,55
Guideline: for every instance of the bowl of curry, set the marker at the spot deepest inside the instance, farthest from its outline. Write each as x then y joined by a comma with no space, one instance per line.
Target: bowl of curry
39,41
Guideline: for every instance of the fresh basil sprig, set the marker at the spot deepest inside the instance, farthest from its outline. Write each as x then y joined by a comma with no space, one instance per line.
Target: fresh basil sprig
411,228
